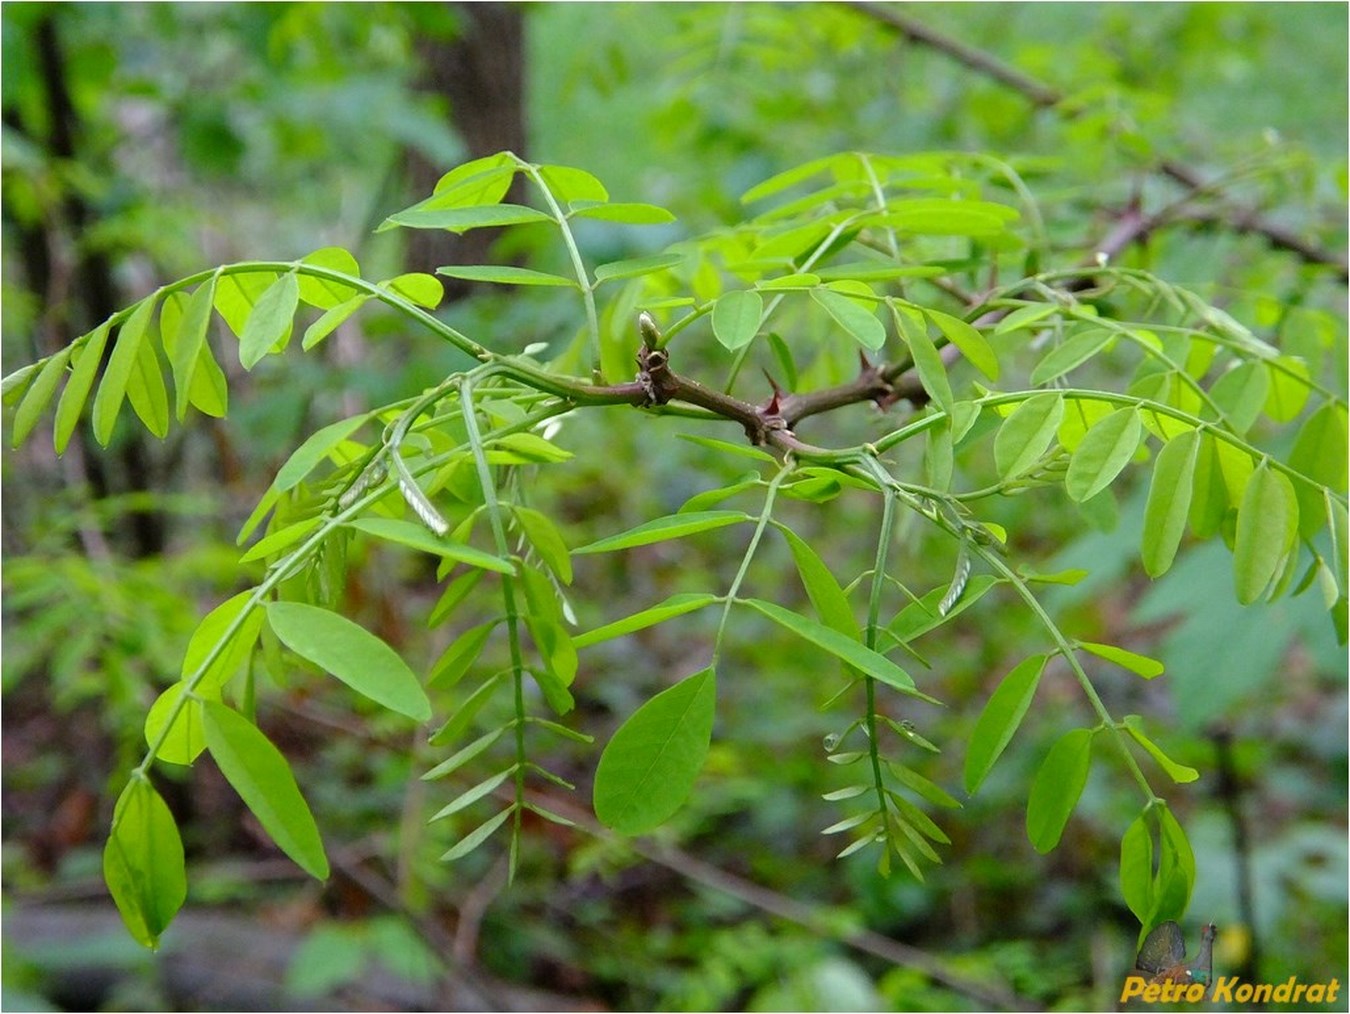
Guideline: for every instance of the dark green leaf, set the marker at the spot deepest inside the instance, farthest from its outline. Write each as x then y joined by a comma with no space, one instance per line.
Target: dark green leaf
259,773
650,765
1056,788
143,862
477,836
1002,714
352,654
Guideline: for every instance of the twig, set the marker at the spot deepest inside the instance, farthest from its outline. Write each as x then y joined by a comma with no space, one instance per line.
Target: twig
1045,96
783,907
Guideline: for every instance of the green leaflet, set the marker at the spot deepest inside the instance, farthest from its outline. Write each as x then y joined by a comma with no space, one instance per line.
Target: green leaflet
637,266
417,287
352,654
1169,502
822,589
1179,773
1241,394
914,330
282,538
331,320
860,323
965,337
461,220
238,292
81,380
143,862
39,395
676,605
568,183
185,739
1267,526
672,526
726,447
1136,867
185,357
1075,351
455,661
546,539
1289,388
455,593
314,449
269,325
259,773
649,766
1140,665
1320,453
626,212
121,364
210,631
465,754
1176,871
502,274
1002,714
415,536
323,292
841,646
736,316
477,836
1025,435
1056,788
1103,452
146,391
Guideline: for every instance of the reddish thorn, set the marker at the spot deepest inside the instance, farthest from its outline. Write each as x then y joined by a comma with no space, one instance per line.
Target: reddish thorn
773,383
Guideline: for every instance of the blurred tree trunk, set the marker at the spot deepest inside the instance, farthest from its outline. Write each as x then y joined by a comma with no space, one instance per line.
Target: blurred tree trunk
481,71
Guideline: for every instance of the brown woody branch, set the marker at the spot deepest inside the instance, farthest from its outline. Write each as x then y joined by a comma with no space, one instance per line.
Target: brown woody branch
1045,96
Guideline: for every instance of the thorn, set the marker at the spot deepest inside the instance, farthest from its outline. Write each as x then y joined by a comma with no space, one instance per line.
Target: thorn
863,364
772,383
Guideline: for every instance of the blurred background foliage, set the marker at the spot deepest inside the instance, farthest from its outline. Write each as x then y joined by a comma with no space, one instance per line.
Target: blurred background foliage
143,142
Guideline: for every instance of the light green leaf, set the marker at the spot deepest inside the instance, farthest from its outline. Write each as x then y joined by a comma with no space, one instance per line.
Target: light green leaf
503,274
1002,714
146,392
1320,453
736,316
39,394
352,654
1140,665
415,536
331,320
455,593
143,862
788,178
972,344
462,756
568,184
1024,316
462,219
1056,788
1289,388
477,836
462,653
269,325
1241,394
637,266
113,388
481,181
465,713
185,357
941,216
546,539
919,617
1169,502
1267,526
76,393
630,214
237,293
672,526
822,589
1025,435
1176,871
322,292
185,739
1136,868
932,373
860,323
841,646
1179,773
276,541
211,629
650,765
259,773
313,450
1074,351
1103,452
531,447
676,605
802,280
466,799
743,450
417,287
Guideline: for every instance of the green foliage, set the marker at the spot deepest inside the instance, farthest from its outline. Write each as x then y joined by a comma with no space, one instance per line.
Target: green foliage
830,254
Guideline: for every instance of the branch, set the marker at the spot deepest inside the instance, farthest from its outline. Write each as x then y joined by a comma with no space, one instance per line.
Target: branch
1045,96
790,909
